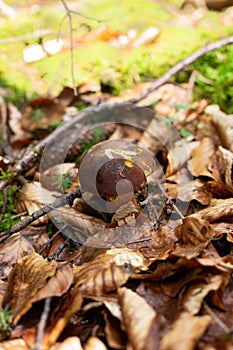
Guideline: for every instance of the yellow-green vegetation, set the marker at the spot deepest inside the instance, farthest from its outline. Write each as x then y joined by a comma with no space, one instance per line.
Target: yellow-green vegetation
5,327
7,205
115,68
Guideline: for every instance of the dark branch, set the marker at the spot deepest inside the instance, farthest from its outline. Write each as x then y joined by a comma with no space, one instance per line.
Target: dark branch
63,200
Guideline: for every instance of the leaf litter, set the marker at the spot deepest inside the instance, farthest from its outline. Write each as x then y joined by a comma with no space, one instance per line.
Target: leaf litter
167,285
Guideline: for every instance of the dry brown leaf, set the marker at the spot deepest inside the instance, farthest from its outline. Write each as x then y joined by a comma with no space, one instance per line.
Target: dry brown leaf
138,316
218,209
32,197
95,343
14,248
223,228
228,163
28,277
194,231
115,337
178,155
75,304
107,271
198,164
76,225
71,343
220,125
185,332
192,190
57,285
14,344
193,298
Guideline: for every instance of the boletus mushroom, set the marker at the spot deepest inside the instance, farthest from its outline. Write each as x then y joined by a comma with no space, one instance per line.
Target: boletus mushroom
113,179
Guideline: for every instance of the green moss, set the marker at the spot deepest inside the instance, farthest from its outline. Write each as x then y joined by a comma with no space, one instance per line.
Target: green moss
7,207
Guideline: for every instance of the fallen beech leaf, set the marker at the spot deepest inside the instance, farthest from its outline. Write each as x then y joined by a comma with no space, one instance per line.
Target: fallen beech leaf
198,164
193,298
115,336
192,190
223,228
228,163
71,343
194,230
14,344
218,209
185,332
14,248
222,125
178,155
32,197
138,316
29,281
107,271
95,343
75,304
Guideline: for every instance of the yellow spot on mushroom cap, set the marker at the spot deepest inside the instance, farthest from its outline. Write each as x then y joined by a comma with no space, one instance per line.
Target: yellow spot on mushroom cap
129,164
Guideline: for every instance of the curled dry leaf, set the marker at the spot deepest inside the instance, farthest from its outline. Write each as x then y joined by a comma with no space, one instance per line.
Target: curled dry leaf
95,343
220,125
228,163
71,343
193,298
107,271
14,248
218,209
194,234
14,344
200,155
185,332
192,190
178,155
29,281
75,303
115,336
32,197
138,316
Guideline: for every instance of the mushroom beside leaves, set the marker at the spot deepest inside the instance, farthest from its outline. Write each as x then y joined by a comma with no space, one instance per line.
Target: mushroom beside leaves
113,179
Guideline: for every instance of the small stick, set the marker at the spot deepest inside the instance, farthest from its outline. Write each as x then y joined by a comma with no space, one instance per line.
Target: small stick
69,15
42,325
174,206
63,200
216,319
181,65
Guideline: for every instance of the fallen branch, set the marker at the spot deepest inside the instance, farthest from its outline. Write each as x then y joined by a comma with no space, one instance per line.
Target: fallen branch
34,155
181,65
63,200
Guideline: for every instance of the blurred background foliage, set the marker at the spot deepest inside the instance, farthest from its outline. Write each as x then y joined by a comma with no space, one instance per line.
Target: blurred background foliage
97,60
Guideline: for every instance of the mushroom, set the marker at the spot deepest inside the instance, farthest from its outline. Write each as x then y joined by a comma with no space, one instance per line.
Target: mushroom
113,176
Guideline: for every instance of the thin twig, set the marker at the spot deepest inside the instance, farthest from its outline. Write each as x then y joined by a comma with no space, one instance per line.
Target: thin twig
216,319
173,205
181,65
63,200
42,325
26,37
69,15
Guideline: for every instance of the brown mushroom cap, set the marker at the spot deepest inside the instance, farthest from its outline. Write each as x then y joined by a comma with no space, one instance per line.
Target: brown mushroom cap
110,161
109,178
